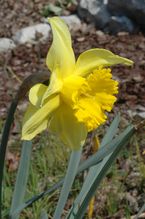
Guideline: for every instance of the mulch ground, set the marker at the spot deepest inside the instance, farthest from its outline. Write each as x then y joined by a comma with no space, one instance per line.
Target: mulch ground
18,14
28,59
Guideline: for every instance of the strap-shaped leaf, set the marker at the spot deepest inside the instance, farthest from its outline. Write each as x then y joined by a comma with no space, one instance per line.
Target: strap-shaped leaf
93,160
21,179
105,149
3,145
23,89
92,172
111,131
94,178
140,212
43,215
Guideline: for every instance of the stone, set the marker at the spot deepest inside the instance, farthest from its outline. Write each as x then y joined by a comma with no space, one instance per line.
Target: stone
133,113
119,24
32,34
134,9
73,22
6,44
141,114
94,10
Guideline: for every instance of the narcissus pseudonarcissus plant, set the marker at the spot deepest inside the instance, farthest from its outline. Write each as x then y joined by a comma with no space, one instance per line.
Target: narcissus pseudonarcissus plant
79,93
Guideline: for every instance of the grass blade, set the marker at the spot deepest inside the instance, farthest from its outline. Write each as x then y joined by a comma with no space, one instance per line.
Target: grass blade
68,181
140,212
21,179
43,215
93,180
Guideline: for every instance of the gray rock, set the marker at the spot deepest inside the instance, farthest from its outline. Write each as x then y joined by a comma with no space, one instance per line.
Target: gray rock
134,9
133,113
94,10
141,114
32,34
119,24
73,22
6,44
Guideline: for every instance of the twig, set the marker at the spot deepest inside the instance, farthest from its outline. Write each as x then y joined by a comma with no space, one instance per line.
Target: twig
9,69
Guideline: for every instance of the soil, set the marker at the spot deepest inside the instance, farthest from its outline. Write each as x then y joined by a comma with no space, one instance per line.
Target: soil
29,59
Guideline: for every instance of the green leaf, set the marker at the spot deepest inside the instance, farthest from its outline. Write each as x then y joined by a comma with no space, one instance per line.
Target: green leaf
23,89
3,145
96,174
51,8
93,160
140,212
21,179
92,172
111,131
55,9
68,181
106,146
43,215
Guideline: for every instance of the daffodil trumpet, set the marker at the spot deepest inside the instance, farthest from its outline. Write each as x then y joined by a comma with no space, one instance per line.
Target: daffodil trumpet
79,93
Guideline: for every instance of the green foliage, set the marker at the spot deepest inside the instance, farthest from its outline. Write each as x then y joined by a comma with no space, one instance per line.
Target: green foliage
57,8
47,167
96,174
21,180
46,156
48,163
43,215
51,9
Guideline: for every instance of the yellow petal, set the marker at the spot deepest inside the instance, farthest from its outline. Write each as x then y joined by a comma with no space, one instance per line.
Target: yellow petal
60,57
66,126
70,86
89,111
102,87
91,101
31,110
36,94
100,81
94,58
54,87
34,120
106,101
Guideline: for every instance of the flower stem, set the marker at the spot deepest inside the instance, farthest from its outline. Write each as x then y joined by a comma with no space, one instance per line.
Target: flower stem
68,181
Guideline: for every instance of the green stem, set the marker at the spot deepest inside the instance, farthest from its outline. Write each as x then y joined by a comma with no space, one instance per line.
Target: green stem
68,181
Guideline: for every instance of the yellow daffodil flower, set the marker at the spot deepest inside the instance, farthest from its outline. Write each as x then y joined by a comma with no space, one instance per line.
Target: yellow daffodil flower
79,92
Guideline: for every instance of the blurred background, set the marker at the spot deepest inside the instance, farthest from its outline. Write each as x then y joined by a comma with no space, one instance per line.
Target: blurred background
25,38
